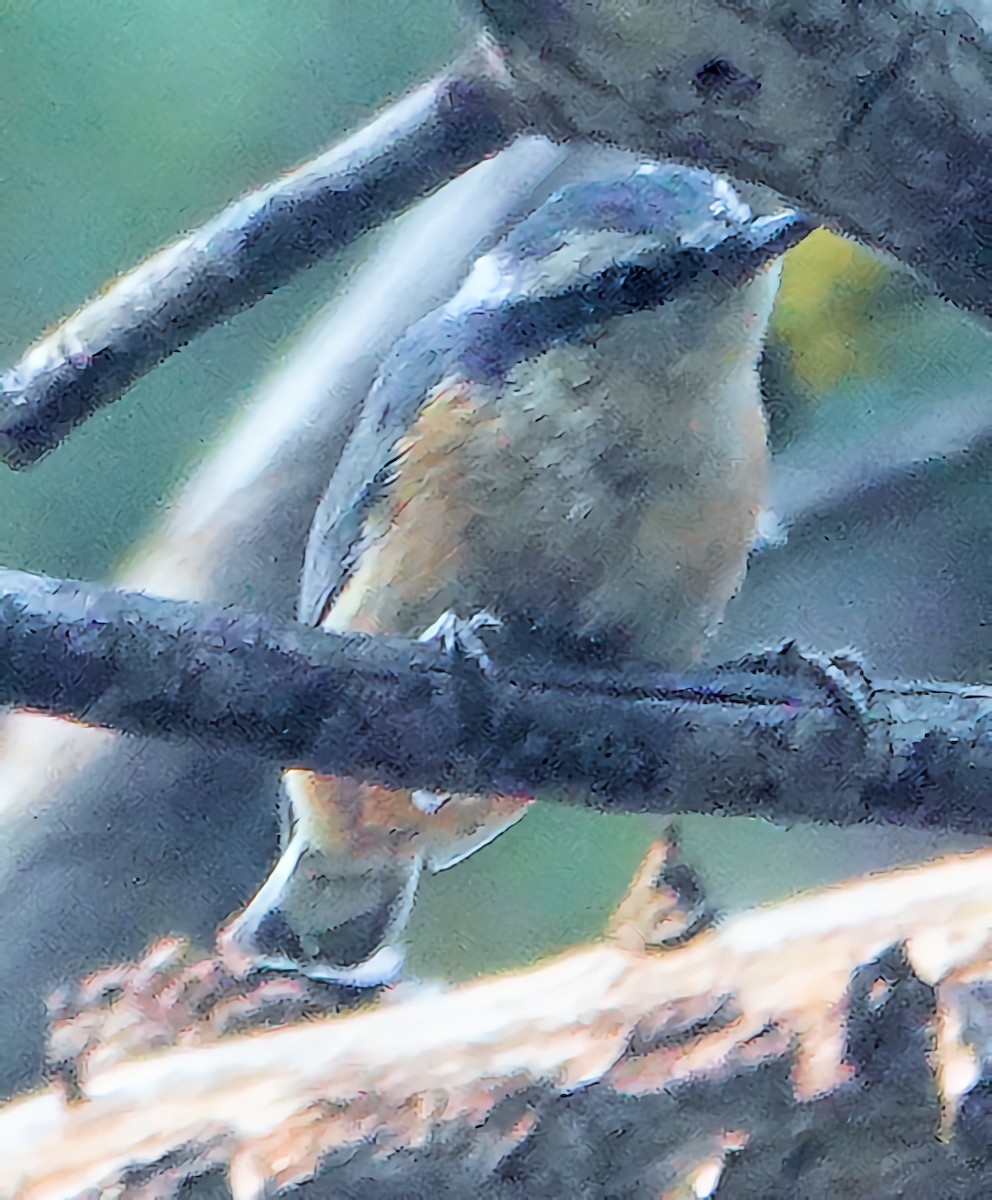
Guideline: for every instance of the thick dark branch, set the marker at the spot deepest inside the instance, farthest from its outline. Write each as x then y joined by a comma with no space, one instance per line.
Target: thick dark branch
251,248
777,735
876,115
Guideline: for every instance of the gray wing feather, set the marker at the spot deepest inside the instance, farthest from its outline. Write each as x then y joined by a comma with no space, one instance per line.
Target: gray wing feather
415,366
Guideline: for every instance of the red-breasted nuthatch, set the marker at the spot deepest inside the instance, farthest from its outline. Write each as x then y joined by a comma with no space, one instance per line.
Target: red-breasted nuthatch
574,443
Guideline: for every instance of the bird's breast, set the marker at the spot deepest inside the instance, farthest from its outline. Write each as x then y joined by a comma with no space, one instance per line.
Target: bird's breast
608,487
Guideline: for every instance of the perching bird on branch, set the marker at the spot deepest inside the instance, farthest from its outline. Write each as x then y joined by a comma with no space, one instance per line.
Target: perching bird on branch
575,443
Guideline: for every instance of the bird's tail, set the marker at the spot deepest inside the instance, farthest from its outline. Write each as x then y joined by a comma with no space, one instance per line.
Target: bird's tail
341,893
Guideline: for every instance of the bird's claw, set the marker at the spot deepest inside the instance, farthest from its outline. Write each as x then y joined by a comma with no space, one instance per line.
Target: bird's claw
460,635
457,635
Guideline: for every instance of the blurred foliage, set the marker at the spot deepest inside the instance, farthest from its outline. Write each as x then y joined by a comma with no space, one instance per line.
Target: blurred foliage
125,124
830,288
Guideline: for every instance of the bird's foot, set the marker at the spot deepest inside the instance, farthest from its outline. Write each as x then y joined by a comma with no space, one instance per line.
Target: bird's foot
460,635
457,635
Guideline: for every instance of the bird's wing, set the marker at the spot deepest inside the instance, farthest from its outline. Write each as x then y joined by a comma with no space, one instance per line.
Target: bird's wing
406,381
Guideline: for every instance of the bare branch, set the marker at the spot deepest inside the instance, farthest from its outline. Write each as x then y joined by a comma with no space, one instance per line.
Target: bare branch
796,739
839,987
846,118
251,248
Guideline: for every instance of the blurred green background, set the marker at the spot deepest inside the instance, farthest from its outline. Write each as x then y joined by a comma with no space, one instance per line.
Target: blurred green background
124,124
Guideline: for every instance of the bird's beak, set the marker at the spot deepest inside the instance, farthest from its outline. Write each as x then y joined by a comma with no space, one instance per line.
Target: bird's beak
770,236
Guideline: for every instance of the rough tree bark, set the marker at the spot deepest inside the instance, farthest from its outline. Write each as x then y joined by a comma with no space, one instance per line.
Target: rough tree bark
877,116
778,734
784,1036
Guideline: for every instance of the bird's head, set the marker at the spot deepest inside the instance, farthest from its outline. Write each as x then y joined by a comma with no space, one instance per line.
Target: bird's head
659,236
632,217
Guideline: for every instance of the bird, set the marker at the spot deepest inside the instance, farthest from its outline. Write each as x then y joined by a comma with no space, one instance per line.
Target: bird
572,447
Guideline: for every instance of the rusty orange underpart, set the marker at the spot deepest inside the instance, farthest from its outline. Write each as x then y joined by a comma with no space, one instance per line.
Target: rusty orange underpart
366,818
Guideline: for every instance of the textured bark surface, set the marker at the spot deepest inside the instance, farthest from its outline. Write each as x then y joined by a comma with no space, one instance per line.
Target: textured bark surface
796,737
637,1066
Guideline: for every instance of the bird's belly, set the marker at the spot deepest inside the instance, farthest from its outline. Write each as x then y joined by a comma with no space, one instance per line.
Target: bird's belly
620,503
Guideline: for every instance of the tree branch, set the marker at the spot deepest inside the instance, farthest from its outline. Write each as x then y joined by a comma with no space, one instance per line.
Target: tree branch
749,1036
796,738
879,120
251,248
236,530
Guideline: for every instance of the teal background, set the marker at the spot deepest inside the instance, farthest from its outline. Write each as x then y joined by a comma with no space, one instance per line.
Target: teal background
124,124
